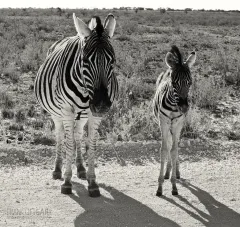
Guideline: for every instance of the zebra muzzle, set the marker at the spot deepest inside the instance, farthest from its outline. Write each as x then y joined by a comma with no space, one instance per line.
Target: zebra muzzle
183,105
100,104
99,110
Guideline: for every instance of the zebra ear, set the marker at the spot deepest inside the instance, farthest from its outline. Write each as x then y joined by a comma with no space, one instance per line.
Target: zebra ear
109,24
93,23
171,60
81,27
191,59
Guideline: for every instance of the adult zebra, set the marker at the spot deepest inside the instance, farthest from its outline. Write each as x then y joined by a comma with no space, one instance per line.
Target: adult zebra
170,106
76,83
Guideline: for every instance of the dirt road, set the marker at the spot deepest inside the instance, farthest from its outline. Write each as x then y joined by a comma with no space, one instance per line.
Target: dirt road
209,196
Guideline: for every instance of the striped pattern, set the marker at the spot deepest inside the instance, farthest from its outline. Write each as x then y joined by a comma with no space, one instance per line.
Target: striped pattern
170,105
172,88
66,81
76,83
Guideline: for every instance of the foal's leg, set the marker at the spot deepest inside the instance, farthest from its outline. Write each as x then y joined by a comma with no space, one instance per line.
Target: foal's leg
81,171
70,146
169,165
177,169
177,125
57,173
165,126
93,124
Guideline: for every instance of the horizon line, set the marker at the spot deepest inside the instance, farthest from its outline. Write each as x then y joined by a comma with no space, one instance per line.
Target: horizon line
123,8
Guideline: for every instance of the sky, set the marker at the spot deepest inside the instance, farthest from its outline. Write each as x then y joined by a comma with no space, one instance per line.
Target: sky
175,4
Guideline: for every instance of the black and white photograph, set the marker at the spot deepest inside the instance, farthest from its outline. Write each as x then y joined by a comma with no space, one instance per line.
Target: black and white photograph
119,113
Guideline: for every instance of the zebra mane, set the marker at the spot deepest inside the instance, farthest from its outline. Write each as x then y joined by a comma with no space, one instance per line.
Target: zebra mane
175,51
99,27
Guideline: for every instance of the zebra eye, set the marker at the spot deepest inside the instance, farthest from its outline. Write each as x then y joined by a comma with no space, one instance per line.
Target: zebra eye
85,59
189,83
174,83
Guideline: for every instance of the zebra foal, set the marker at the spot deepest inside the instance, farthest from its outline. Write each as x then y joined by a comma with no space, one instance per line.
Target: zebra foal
170,106
76,84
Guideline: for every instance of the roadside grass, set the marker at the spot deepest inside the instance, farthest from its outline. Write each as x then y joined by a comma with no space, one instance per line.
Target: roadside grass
141,42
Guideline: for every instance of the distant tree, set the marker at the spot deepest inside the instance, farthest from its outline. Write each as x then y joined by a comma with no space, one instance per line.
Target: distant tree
59,11
149,8
187,10
170,9
162,10
67,15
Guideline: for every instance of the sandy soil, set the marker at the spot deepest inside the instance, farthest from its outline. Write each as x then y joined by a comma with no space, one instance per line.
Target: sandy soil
208,195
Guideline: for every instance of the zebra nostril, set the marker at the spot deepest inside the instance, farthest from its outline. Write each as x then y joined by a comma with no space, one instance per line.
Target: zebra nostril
100,102
184,108
183,101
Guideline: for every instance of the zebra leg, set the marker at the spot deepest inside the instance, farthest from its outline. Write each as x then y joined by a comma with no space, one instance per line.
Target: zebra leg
81,171
93,125
169,165
177,169
164,124
57,173
70,146
176,129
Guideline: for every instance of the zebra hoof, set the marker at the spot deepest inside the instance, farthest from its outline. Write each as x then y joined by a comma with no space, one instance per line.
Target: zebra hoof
81,172
56,175
82,175
166,177
159,193
178,175
66,188
94,192
174,192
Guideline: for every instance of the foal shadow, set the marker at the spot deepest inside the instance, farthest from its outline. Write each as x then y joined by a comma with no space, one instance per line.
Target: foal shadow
218,213
120,210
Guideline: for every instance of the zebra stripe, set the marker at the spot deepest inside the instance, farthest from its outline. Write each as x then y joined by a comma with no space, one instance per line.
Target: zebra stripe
77,82
170,105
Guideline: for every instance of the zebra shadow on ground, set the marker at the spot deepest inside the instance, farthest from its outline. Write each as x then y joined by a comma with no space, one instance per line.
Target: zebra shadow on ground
120,210
218,213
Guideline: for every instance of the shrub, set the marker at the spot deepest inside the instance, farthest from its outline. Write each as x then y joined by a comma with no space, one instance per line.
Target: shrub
43,140
20,116
137,123
6,101
192,125
7,114
11,72
38,124
206,92
16,127
31,111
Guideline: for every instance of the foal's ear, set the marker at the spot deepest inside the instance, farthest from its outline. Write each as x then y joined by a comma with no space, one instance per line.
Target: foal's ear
171,59
191,59
93,23
109,25
81,27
